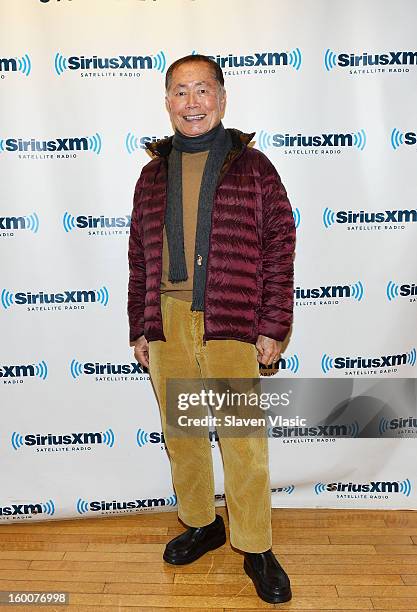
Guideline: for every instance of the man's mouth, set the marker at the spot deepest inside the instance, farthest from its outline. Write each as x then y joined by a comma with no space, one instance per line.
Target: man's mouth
194,117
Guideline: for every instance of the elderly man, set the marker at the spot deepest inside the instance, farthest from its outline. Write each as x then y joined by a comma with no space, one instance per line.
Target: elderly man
211,296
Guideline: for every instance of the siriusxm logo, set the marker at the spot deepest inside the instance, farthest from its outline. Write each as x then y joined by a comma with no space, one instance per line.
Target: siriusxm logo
402,138
79,143
289,489
28,509
16,64
354,291
155,437
363,363
105,369
291,364
351,217
297,217
398,425
343,430
39,370
70,439
402,487
324,140
259,60
85,296
103,506
26,222
70,222
149,437
119,62
349,60
393,291
136,143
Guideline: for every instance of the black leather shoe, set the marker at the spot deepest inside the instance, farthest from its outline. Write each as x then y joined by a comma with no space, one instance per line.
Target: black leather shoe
271,582
195,542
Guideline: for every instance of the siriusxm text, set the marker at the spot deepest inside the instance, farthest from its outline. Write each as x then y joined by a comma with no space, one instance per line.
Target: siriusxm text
370,362
255,59
386,216
71,438
112,368
84,221
17,371
319,140
371,487
130,62
65,297
392,58
330,291
58,144
96,506
20,509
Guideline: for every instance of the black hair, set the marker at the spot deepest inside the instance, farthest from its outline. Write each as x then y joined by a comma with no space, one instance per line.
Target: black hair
218,72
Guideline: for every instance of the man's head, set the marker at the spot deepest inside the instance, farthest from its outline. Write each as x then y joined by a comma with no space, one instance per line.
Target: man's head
195,96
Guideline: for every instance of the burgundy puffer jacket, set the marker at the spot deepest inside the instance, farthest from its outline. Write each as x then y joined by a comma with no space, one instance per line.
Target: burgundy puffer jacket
249,281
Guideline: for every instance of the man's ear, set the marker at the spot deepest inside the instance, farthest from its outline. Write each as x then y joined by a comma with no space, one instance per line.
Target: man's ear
167,105
223,102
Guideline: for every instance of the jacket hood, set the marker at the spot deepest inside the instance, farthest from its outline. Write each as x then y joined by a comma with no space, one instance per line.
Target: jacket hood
162,148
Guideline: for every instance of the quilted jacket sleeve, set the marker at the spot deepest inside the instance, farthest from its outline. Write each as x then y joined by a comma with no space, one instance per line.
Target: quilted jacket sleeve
137,272
278,244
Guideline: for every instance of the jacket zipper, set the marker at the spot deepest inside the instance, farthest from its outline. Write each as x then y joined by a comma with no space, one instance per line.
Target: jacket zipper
209,250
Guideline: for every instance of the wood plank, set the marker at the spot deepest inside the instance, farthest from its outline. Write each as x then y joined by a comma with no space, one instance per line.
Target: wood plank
143,547
401,520
82,576
402,603
16,564
31,554
204,589
345,530
239,602
331,522
228,555
371,538
199,566
409,578
22,584
65,537
345,558
396,549
354,569
391,592
296,579
302,538
51,546
327,564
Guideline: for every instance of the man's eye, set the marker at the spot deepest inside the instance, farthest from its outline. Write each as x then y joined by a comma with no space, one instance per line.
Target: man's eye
181,93
203,90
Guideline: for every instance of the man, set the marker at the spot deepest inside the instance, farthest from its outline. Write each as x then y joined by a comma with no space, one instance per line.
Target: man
211,296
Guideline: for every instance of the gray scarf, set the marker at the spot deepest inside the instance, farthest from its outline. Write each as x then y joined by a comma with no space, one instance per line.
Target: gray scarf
219,142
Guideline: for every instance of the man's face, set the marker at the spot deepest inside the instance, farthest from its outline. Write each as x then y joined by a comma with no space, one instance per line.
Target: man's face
195,100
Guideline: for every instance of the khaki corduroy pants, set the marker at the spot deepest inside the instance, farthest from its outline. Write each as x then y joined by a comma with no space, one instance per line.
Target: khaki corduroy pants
245,459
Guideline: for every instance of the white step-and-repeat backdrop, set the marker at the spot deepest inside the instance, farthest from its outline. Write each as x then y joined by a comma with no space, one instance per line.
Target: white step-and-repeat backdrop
331,90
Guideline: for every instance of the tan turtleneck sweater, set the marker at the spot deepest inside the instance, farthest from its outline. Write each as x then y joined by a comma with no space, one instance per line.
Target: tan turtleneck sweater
192,172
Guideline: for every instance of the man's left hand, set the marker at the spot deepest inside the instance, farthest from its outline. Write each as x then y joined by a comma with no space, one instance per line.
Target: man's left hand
269,350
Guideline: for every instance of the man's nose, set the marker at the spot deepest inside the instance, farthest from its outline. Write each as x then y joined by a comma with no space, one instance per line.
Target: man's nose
192,100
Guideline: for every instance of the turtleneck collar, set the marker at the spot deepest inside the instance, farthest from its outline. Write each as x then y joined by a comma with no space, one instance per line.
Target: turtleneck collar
195,144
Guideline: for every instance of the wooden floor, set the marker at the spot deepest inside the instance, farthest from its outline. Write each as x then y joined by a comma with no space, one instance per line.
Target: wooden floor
336,559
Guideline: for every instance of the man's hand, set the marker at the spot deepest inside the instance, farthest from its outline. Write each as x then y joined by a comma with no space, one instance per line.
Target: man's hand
141,351
269,350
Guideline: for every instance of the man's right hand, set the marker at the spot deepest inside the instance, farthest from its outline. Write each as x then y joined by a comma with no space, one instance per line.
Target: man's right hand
141,351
